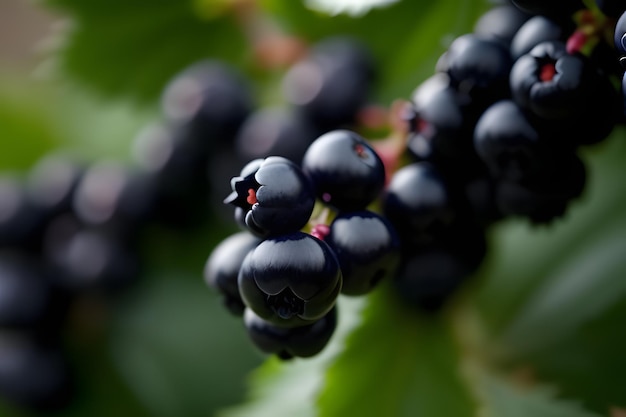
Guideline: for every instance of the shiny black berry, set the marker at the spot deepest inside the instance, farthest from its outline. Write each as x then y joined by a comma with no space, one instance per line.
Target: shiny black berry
367,248
479,68
419,203
288,342
536,30
509,144
346,171
567,92
552,83
290,280
222,268
272,196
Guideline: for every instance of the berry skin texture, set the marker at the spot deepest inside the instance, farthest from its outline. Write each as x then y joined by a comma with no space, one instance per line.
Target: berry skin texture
536,30
479,68
304,341
437,128
272,196
552,83
290,280
222,268
367,248
418,203
346,171
509,144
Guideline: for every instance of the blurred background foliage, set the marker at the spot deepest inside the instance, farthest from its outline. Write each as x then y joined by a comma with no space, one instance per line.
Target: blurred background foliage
539,331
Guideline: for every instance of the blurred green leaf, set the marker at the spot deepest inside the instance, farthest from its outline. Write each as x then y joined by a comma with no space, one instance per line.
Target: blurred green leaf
131,49
26,128
396,363
502,399
178,349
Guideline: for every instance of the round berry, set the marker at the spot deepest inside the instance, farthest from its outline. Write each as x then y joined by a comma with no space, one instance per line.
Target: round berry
346,171
367,248
479,68
418,202
288,342
509,144
536,30
555,85
290,280
222,268
272,196
438,128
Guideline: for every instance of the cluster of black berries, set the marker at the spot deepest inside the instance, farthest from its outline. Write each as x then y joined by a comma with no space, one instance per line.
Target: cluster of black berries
71,231
494,133
285,282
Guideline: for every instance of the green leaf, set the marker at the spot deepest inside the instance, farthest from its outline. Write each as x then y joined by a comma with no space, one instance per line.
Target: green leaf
502,399
178,349
132,49
26,128
396,363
